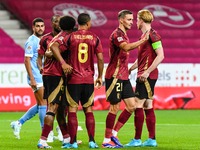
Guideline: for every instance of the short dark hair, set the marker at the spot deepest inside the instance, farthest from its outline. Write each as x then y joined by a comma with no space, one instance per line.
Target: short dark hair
67,22
123,13
37,20
83,18
53,17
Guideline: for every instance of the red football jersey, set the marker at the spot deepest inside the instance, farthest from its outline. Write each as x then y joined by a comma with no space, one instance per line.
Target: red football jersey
118,65
82,46
146,55
45,40
52,66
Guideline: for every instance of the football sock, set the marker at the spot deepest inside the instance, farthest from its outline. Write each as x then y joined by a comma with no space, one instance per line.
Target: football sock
110,121
64,130
73,126
90,125
29,114
150,122
138,121
124,116
45,131
42,112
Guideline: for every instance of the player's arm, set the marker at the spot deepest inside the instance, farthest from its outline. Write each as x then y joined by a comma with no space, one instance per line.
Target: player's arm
56,52
130,46
27,64
100,64
160,56
49,54
39,62
134,66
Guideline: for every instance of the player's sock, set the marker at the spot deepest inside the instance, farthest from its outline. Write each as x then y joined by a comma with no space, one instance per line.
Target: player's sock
73,126
90,125
64,130
29,114
124,116
150,122
138,121
45,131
110,121
42,112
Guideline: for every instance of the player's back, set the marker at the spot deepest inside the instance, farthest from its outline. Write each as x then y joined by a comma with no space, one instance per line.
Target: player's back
82,45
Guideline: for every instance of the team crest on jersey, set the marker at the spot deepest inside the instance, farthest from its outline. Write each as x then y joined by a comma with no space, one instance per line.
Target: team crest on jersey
29,47
120,39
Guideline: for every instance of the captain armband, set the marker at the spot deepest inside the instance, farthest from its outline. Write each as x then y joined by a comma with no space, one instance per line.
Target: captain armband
156,45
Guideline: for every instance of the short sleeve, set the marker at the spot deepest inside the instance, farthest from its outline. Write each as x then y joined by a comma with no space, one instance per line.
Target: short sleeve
29,47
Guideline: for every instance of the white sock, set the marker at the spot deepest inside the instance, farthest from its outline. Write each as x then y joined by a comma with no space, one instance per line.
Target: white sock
67,140
114,133
106,140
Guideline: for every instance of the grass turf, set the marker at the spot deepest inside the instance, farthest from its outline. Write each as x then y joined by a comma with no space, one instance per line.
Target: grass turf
175,130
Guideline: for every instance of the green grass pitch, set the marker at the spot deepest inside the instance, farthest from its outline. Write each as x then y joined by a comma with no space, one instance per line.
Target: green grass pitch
175,130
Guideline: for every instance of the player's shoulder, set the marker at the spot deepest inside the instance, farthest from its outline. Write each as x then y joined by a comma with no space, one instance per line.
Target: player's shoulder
32,39
48,35
154,34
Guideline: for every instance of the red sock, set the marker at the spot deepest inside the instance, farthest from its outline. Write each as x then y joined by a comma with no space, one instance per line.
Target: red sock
124,116
90,125
110,121
63,128
45,131
150,122
72,125
139,120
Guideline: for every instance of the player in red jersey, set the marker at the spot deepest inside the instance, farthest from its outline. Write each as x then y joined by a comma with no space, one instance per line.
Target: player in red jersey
54,88
118,85
150,55
82,46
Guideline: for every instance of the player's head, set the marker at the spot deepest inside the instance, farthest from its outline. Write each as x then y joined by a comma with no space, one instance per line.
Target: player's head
55,23
84,20
38,27
125,18
144,16
67,23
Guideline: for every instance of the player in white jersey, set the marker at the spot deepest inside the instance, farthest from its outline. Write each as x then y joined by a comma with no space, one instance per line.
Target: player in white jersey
34,78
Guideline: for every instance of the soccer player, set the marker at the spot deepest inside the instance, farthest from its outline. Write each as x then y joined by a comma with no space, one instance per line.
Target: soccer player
54,89
118,85
45,40
82,45
150,55
34,77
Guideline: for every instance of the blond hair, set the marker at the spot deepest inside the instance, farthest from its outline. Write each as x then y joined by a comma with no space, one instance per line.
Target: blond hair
145,15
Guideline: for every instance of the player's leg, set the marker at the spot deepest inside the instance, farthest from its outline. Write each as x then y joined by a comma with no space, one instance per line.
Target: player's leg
150,122
42,105
16,125
128,97
73,97
113,95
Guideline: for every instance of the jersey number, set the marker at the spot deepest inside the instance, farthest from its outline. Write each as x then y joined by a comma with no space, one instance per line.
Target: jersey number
83,52
119,87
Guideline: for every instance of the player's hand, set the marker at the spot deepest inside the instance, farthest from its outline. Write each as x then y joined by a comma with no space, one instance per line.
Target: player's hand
33,84
67,68
41,70
98,83
49,54
144,76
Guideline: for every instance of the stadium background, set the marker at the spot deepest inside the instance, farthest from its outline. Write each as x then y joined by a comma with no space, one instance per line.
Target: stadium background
176,21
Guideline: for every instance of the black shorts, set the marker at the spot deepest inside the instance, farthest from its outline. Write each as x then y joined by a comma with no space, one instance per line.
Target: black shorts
145,89
80,92
54,89
117,89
